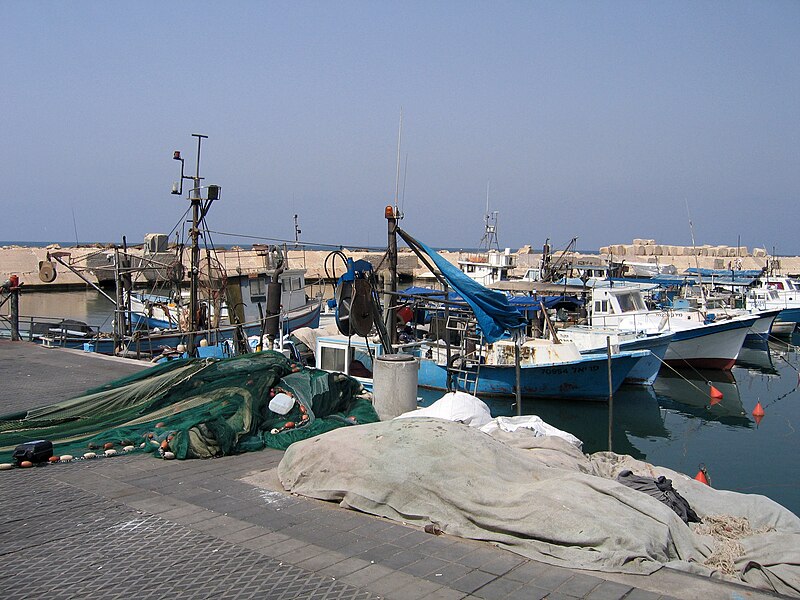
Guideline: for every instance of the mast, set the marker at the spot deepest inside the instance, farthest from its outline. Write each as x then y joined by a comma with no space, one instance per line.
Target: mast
194,197
490,227
393,215
198,213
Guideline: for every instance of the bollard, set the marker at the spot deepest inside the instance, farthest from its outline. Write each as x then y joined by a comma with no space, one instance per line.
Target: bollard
394,385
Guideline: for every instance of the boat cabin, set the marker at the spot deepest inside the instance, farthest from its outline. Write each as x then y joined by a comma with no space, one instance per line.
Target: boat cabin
293,288
487,268
611,305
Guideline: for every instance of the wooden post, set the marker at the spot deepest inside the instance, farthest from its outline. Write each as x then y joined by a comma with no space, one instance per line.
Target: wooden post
15,313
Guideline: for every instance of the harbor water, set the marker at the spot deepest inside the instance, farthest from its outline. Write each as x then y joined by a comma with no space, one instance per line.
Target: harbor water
673,424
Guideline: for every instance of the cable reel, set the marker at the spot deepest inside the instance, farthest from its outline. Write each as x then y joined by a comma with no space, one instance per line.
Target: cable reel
354,299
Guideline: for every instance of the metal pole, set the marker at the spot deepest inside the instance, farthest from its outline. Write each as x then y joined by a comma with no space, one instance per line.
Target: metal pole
119,318
448,352
391,301
610,394
195,261
518,374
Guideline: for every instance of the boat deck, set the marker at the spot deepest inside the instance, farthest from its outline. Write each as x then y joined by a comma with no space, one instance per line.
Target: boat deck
135,526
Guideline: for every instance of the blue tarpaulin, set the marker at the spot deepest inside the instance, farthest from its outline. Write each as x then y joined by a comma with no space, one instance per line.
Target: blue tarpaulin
495,315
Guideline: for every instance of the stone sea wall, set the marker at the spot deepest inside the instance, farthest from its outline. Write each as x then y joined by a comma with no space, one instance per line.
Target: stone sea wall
96,262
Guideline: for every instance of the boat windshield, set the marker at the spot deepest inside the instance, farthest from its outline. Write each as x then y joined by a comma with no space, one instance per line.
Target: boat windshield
630,302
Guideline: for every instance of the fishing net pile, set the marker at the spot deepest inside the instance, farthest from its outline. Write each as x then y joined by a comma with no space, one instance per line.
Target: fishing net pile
541,497
197,408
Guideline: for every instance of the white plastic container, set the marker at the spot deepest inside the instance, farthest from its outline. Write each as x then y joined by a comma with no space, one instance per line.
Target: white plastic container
281,403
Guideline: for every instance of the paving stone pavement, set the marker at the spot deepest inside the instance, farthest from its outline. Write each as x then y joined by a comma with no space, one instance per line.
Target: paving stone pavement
136,526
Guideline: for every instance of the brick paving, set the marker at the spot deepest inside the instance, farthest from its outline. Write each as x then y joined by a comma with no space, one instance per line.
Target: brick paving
136,526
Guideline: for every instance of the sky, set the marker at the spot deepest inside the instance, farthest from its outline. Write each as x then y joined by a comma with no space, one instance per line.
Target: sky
605,121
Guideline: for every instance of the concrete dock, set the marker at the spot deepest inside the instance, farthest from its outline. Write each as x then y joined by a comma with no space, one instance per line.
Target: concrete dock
138,527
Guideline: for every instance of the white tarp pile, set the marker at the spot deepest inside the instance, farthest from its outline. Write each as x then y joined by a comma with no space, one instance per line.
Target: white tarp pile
538,496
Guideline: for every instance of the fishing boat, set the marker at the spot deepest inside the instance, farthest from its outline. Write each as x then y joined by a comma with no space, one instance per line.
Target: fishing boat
697,343
766,298
184,320
547,369
592,340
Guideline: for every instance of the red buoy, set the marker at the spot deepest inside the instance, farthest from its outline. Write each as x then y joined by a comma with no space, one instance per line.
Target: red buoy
716,395
758,413
702,475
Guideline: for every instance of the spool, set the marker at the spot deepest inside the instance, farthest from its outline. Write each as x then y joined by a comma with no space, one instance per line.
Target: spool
394,385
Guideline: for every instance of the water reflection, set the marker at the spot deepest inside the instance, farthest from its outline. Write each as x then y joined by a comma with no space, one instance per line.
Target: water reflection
689,392
87,305
756,355
636,413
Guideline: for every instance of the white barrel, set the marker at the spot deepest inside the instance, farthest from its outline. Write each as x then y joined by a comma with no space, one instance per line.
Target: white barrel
394,385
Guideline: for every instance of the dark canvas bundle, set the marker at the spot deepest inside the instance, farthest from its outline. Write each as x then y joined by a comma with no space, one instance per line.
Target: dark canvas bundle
35,452
661,489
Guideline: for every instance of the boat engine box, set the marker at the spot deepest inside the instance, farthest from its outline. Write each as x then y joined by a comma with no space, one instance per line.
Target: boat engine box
36,452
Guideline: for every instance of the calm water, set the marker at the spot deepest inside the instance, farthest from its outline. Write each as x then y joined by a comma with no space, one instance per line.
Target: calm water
671,424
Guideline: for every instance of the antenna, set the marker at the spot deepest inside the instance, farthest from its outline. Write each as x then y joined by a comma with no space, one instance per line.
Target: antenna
397,177
403,195
75,226
696,260
490,227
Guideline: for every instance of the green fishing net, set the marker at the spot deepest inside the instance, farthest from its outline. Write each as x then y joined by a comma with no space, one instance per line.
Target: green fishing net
196,408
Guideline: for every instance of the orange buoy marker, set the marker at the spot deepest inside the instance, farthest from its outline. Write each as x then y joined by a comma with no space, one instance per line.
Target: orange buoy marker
716,395
702,475
758,413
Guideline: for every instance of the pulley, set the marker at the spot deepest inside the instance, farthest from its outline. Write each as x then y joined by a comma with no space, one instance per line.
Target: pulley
47,271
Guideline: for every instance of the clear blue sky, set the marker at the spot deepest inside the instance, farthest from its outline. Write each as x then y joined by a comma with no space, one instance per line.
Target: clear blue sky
600,120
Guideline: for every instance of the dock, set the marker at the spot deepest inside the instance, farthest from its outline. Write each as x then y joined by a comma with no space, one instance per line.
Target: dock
137,526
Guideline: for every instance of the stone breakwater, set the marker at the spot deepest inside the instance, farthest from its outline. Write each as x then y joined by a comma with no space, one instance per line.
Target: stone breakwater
96,262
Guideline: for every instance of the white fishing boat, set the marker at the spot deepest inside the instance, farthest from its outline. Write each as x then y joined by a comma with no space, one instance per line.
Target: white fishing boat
591,340
711,345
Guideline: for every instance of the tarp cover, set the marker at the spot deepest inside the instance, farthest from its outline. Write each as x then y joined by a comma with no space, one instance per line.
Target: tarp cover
537,496
494,314
200,407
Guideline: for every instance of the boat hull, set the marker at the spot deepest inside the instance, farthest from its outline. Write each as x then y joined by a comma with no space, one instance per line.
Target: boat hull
645,371
712,346
760,330
585,379
150,342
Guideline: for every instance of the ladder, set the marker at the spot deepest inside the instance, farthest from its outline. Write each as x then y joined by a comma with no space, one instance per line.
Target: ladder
463,370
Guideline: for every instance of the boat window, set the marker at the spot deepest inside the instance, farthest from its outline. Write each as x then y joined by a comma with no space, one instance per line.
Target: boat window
625,302
601,306
291,284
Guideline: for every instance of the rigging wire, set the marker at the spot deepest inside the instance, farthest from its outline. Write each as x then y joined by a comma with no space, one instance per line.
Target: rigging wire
306,244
